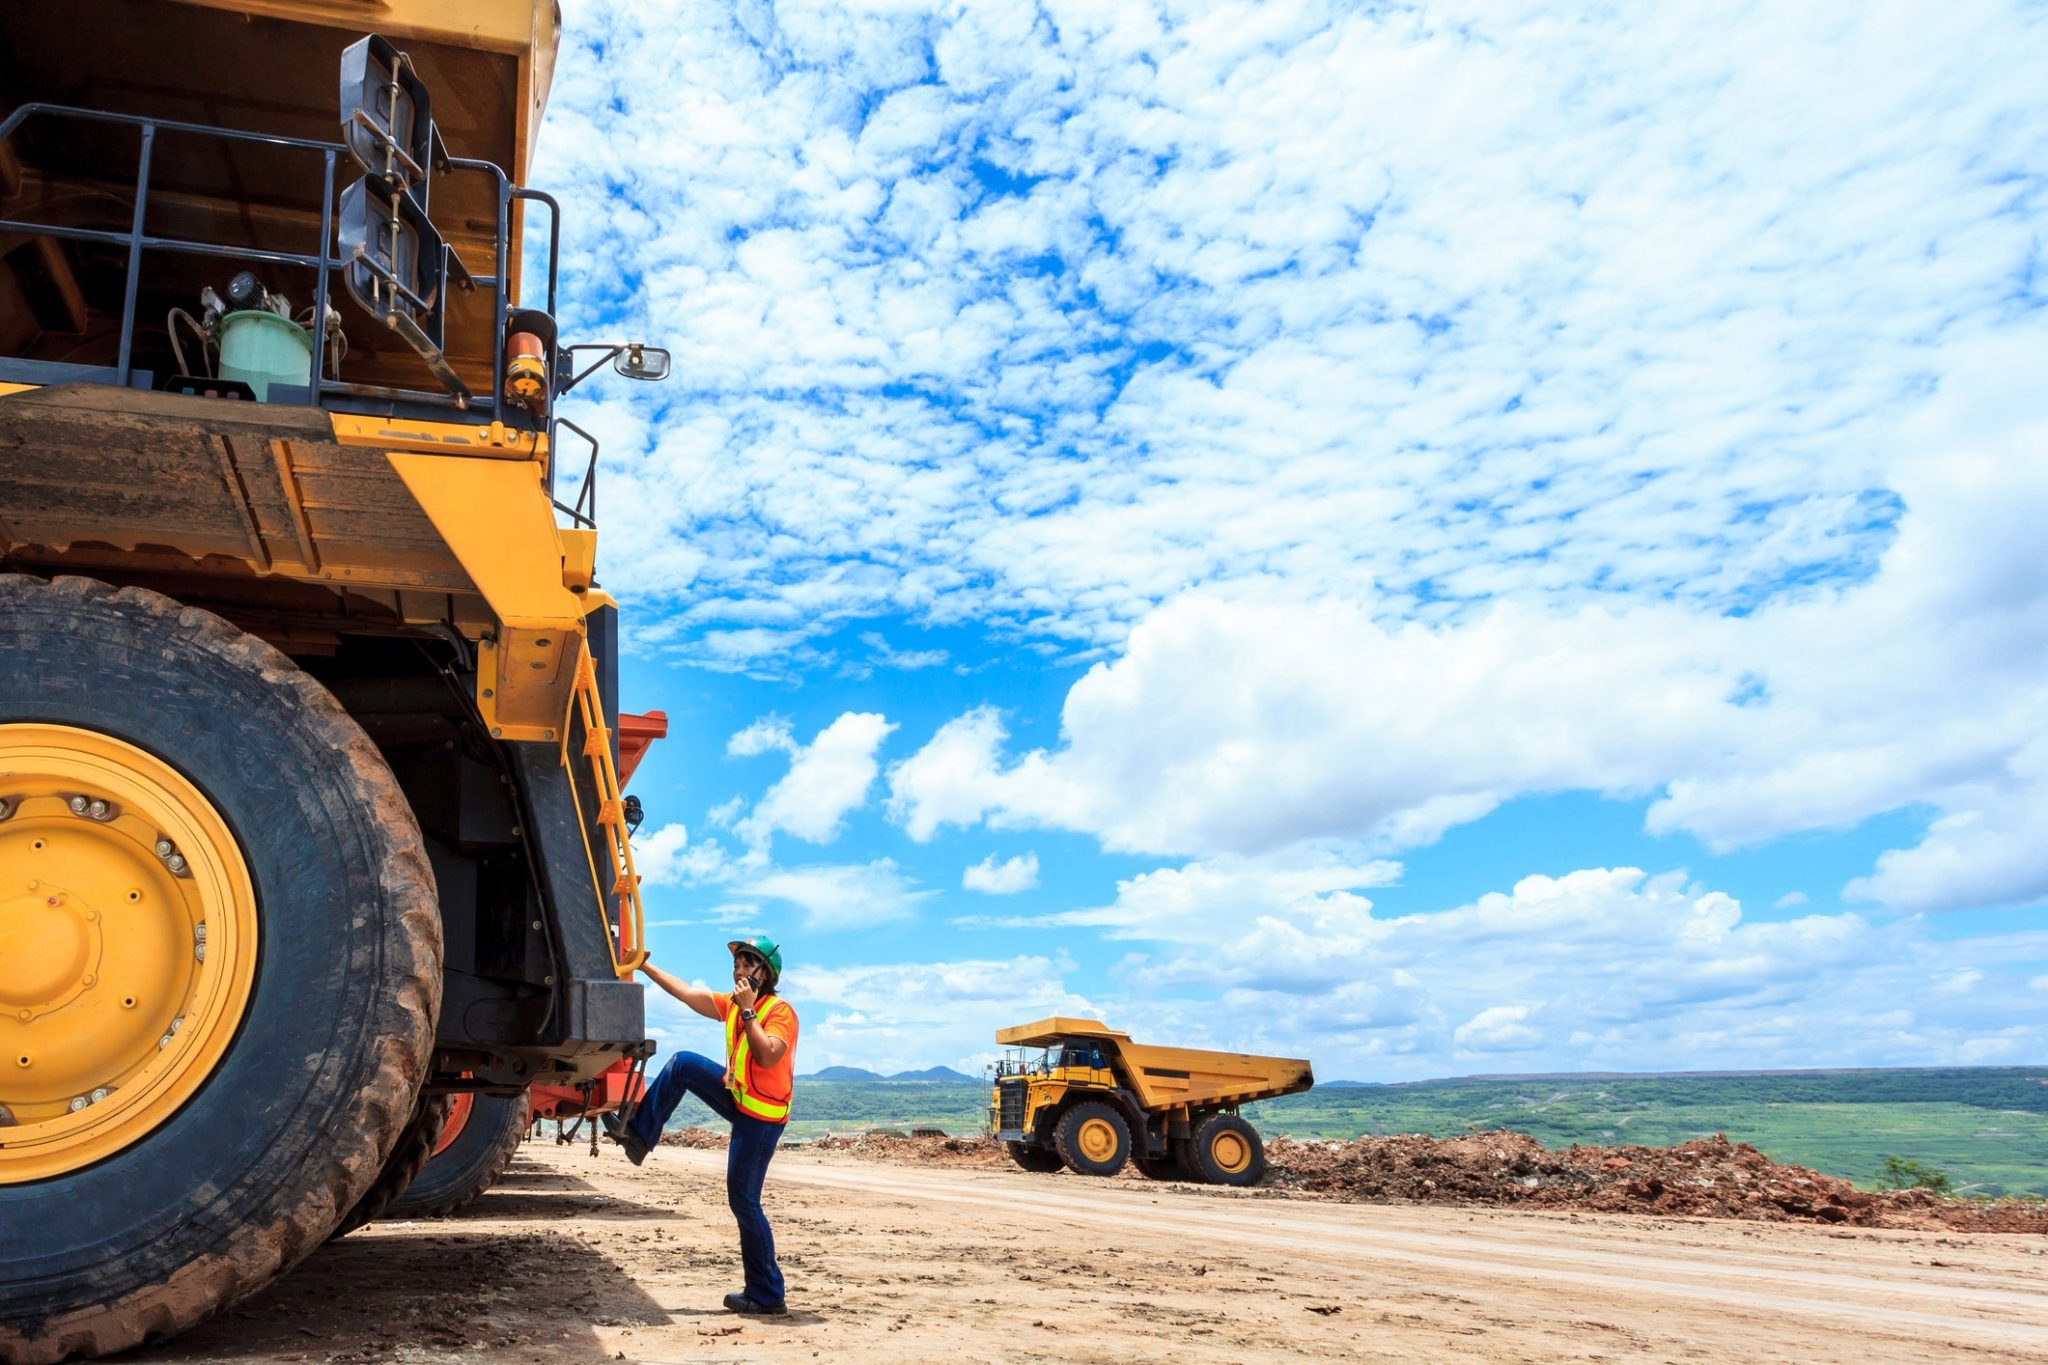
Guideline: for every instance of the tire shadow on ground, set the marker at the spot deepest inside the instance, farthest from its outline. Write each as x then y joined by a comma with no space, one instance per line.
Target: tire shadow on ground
429,1287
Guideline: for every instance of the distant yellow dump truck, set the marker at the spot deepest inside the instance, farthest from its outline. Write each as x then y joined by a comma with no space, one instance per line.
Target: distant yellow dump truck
1090,1099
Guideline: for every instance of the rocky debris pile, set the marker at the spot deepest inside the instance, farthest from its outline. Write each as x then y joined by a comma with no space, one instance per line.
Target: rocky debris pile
702,1138
930,1151
1706,1178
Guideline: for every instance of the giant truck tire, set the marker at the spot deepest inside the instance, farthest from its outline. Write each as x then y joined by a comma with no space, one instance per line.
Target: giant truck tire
468,1157
1093,1139
1226,1150
1042,1160
409,1156
223,965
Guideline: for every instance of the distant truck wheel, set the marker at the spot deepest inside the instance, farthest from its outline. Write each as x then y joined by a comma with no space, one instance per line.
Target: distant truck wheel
1226,1151
415,1147
1093,1139
467,1159
222,973
1043,1160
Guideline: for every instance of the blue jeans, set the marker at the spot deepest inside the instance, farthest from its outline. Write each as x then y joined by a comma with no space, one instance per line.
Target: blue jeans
746,1161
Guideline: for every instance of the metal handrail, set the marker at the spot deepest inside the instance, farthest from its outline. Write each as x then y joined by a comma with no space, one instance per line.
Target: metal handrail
586,493
323,263
626,934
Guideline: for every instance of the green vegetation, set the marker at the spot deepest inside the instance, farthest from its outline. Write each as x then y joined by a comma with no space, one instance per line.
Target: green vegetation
1898,1173
1984,1128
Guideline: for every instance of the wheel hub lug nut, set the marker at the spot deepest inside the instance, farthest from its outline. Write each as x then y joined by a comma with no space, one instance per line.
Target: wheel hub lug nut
165,848
99,810
78,805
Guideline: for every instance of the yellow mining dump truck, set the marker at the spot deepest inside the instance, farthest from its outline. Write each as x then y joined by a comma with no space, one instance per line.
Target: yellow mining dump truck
1079,1094
309,810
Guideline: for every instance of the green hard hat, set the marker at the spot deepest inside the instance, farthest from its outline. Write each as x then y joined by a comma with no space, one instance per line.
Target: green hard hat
765,947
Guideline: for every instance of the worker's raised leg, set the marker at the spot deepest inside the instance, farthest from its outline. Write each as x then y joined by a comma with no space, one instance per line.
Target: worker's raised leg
685,1073
746,1166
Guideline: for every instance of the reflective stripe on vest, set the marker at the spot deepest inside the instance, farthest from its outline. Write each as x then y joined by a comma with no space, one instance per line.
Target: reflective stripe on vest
739,1078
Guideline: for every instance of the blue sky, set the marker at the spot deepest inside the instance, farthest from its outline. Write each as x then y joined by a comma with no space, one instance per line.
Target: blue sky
1441,539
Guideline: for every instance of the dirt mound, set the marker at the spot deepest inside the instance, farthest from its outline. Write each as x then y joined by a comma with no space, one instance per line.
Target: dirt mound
693,1137
1707,1178
939,1151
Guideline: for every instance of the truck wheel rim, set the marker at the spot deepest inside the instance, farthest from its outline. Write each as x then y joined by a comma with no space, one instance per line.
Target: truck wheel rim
1098,1140
129,925
458,1119
1231,1153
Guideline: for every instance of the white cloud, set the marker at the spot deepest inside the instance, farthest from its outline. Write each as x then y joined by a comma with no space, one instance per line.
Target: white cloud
881,653
1248,724
1044,315
766,735
841,896
1791,900
1498,1028
1001,879
1604,969
827,779
1959,983
667,857
904,1015
1601,969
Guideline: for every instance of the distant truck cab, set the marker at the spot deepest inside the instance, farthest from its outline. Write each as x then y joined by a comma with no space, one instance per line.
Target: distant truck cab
1077,1093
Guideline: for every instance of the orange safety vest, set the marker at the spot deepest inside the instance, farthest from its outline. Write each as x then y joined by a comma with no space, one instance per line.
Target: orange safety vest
739,1073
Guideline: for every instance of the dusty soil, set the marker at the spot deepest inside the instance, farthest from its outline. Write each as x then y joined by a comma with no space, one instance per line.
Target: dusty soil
947,1254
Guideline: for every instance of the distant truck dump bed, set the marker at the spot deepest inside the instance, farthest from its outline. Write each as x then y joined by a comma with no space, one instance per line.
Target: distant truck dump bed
1095,1099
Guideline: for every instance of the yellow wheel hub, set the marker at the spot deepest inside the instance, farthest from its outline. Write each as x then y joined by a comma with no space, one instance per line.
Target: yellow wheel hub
1231,1153
128,928
1098,1139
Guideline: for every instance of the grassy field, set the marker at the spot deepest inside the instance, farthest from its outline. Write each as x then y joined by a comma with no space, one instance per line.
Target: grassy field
1987,1127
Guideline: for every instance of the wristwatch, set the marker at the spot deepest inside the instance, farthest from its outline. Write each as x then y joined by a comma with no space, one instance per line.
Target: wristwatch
747,1016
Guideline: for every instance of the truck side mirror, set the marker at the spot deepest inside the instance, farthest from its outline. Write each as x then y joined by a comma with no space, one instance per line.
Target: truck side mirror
648,363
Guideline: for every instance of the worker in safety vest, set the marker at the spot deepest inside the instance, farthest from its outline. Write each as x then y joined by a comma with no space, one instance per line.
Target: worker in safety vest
751,1091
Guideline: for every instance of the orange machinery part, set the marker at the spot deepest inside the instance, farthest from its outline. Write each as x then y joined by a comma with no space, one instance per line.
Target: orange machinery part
635,734
608,1092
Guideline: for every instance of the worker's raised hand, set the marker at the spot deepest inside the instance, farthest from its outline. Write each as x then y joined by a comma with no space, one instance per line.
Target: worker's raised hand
743,991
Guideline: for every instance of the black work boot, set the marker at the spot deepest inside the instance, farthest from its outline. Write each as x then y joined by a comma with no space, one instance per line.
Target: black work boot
635,1149
740,1303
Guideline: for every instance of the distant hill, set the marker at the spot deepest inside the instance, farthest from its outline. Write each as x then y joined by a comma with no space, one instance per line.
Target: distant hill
935,1073
1347,1085
857,1073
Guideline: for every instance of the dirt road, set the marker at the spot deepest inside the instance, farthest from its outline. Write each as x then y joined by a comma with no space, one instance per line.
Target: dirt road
576,1257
